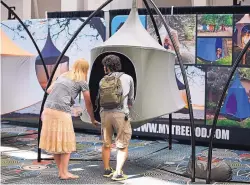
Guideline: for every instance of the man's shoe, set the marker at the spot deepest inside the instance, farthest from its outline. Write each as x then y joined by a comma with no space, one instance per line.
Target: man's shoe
119,177
108,172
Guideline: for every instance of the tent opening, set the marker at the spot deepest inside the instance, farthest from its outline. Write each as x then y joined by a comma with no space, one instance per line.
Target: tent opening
245,29
97,74
231,106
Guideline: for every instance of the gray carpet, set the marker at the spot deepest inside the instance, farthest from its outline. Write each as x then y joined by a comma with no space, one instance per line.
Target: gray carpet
148,162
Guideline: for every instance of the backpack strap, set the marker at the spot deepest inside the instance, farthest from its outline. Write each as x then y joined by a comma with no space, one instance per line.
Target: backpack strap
120,74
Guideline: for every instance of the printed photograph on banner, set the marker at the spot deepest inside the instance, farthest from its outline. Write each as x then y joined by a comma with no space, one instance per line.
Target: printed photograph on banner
214,51
213,25
183,31
24,68
119,20
196,80
235,110
241,36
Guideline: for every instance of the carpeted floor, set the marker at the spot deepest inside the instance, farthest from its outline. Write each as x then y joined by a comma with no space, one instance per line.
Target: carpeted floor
149,161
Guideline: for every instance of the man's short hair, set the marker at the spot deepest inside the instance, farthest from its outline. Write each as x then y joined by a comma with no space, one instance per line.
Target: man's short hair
112,62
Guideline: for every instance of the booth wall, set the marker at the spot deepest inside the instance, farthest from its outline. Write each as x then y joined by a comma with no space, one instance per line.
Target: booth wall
196,34
50,35
199,37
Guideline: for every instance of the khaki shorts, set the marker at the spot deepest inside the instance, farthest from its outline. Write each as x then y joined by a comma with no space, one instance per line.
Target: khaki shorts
114,121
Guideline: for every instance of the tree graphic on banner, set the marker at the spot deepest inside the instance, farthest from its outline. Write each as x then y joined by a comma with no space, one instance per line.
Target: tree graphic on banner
62,23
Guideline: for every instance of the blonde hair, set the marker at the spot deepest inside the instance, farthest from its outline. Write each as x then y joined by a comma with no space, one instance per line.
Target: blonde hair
79,71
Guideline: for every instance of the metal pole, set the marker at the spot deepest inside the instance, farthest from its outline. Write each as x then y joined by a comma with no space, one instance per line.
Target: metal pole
153,21
170,132
187,89
159,40
28,32
55,68
210,150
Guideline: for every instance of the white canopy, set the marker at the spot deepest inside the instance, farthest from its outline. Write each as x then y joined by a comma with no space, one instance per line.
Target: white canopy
244,20
19,84
157,93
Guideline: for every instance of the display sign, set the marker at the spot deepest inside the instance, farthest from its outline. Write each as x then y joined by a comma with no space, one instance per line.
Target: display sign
209,44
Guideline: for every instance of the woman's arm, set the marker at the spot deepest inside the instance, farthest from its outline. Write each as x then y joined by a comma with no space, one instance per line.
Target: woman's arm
50,88
89,105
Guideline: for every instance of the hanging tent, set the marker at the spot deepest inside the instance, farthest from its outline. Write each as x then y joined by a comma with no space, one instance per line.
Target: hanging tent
245,20
50,54
19,85
236,105
207,47
150,65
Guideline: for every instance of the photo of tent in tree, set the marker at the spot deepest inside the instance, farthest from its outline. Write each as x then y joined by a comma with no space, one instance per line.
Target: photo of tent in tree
241,36
210,25
196,80
215,51
235,110
183,30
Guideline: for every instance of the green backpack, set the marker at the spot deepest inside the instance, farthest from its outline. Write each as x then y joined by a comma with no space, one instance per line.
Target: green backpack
111,92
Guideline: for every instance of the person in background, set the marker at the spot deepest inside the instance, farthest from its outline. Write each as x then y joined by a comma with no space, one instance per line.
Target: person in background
167,44
218,53
57,135
116,116
244,41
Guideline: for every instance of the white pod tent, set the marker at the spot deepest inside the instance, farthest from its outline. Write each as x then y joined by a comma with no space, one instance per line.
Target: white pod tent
150,65
19,86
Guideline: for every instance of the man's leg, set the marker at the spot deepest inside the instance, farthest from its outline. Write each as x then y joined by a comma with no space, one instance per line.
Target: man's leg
106,156
107,132
122,155
124,133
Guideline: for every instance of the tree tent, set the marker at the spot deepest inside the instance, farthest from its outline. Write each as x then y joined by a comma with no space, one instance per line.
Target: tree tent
19,85
156,95
245,20
236,105
50,54
206,48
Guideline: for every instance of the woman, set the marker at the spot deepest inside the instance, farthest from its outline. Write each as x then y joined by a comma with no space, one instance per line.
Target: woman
57,135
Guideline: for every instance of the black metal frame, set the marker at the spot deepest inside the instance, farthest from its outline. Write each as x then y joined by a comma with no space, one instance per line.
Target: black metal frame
190,108
160,42
208,179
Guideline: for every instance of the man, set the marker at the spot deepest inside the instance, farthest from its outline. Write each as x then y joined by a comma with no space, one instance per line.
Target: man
115,116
